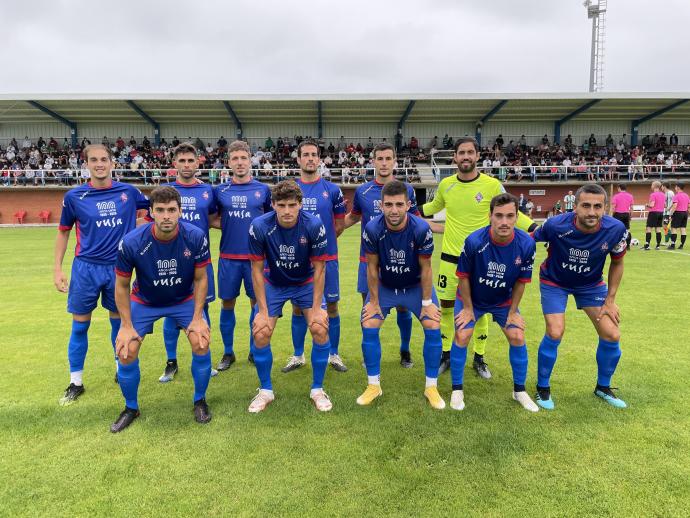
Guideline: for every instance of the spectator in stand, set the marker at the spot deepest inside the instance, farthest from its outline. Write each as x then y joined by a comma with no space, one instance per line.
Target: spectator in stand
529,207
222,143
27,143
673,141
499,141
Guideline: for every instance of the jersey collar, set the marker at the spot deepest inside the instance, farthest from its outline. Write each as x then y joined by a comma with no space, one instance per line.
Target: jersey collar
153,233
457,176
493,241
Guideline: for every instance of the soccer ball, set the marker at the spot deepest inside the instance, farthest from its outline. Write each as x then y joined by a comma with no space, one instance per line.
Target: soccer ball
634,242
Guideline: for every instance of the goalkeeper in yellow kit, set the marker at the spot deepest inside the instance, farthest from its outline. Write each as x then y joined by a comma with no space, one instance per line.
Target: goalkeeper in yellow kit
466,197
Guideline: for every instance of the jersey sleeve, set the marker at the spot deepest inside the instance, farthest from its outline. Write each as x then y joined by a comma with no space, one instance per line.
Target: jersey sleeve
464,269
212,204
528,254
318,242
424,240
202,256
267,199
68,216
356,203
618,251
141,200
369,239
524,222
437,204
413,201
257,251
338,202
542,233
124,264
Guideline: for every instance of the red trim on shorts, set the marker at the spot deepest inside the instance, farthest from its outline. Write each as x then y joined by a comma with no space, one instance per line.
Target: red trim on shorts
237,257
324,257
524,281
256,257
202,264
338,216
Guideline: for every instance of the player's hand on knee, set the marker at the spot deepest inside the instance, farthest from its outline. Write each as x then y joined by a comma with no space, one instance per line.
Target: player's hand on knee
431,312
203,333
125,336
60,281
370,311
515,319
318,318
609,309
463,318
262,323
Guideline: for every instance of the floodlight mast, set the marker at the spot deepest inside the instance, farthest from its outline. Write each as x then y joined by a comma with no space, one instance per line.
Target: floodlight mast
596,10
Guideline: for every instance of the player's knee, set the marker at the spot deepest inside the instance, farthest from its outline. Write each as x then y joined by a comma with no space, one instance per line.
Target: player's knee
515,336
262,338
611,334
372,323
229,303
319,334
555,331
462,337
429,324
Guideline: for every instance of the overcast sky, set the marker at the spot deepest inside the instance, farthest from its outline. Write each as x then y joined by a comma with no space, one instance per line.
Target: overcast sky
348,46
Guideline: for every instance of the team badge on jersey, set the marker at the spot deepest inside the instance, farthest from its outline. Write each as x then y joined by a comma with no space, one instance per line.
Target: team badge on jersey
124,198
257,194
479,197
302,240
205,195
518,261
324,194
187,253
604,247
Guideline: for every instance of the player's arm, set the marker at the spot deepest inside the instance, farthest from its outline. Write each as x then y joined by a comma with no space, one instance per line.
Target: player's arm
436,228
610,308
214,221
436,205
429,309
339,224
351,219
261,319
372,307
673,208
198,324
318,315
525,223
59,278
127,333
467,314
514,318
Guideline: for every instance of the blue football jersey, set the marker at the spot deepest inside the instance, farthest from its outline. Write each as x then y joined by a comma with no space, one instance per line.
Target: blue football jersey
164,269
324,200
239,204
288,252
102,217
398,251
367,203
198,201
493,268
576,259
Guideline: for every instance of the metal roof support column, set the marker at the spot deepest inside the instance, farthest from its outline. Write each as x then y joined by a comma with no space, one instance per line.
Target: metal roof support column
635,126
236,120
149,119
557,125
401,123
71,125
480,122
319,112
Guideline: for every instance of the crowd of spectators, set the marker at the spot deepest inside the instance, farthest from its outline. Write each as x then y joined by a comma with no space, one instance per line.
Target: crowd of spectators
48,161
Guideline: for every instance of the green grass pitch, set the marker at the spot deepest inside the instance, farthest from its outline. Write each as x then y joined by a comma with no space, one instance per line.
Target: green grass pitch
397,457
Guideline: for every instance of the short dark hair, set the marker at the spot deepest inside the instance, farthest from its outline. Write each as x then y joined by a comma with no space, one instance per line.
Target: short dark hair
308,142
286,190
502,199
185,147
165,194
591,188
465,140
680,185
91,147
622,187
384,146
394,188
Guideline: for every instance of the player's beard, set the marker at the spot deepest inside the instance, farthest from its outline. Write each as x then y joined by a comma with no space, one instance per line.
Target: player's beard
466,166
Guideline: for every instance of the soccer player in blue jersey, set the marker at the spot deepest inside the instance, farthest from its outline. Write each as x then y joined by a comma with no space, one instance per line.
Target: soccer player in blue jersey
399,247
239,202
102,211
170,258
324,200
578,246
288,253
198,203
495,265
366,205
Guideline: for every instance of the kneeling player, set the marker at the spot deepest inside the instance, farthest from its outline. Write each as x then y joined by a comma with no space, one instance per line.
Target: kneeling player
170,260
399,247
494,266
578,246
288,250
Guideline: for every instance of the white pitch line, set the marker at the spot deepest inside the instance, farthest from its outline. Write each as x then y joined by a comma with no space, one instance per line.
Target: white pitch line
673,252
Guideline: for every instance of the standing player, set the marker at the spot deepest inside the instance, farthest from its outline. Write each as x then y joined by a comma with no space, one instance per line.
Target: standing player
668,192
578,246
198,203
466,196
495,264
324,200
239,202
655,218
103,212
569,201
288,253
170,259
366,206
399,247
679,216
621,205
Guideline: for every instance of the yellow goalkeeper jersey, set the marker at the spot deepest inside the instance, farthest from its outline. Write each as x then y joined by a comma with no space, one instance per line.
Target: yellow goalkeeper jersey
467,208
